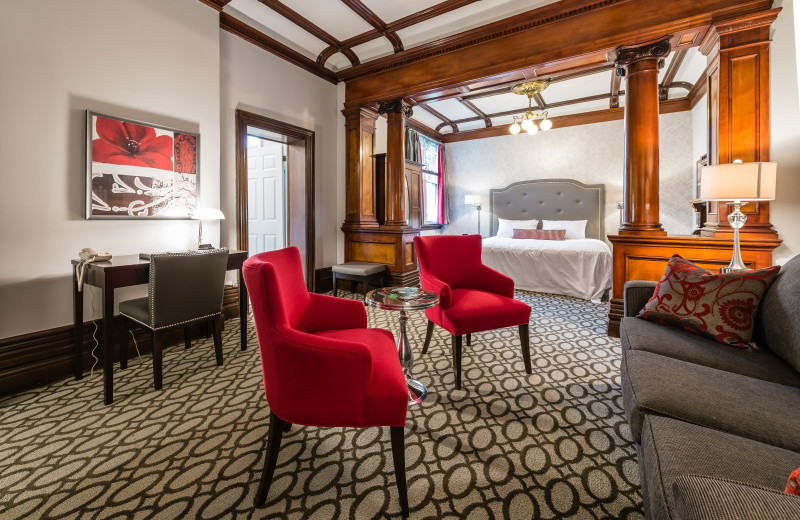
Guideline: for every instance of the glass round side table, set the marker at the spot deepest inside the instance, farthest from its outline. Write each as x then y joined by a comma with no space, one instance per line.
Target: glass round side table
404,299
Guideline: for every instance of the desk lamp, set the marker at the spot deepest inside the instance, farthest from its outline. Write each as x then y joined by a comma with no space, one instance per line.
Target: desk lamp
474,200
202,214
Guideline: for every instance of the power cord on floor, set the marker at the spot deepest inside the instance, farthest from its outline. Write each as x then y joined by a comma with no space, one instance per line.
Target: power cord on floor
97,343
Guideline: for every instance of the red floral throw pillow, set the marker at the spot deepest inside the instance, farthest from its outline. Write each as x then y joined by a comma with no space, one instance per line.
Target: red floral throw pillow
719,306
540,234
793,484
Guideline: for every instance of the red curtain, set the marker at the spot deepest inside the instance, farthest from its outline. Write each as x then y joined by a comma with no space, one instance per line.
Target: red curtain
440,198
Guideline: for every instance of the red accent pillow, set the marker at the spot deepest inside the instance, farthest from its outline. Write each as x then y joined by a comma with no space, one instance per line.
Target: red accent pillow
793,484
540,234
718,306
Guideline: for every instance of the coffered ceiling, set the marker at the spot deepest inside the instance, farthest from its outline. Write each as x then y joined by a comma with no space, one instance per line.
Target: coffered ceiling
339,34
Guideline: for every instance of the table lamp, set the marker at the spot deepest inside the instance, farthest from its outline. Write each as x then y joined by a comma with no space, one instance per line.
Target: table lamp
738,183
202,214
474,200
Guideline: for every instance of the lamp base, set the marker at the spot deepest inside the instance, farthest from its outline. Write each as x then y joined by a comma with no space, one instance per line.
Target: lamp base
205,246
729,269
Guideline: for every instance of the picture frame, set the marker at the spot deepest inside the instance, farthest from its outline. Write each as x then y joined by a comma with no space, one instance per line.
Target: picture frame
138,170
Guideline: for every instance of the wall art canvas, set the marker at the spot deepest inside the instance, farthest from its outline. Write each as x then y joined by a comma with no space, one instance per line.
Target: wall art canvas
140,170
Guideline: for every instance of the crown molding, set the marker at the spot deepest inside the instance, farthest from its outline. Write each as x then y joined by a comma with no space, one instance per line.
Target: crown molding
259,39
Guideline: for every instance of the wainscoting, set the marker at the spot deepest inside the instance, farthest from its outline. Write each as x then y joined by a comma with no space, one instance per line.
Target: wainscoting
45,356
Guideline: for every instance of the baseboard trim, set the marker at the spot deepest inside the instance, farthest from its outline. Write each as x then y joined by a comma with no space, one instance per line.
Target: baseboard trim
42,357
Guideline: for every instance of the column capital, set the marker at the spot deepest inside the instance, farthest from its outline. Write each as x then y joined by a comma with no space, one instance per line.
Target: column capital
395,106
629,54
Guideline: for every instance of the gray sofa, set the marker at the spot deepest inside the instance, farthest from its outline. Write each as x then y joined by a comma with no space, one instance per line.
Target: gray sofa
717,428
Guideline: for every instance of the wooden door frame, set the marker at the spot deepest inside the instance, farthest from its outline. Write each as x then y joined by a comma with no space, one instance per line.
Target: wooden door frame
246,119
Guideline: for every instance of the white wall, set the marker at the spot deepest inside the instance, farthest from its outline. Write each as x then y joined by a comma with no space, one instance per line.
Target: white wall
785,133
592,154
254,80
150,60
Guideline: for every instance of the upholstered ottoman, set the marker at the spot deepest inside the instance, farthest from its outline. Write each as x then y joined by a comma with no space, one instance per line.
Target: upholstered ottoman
365,273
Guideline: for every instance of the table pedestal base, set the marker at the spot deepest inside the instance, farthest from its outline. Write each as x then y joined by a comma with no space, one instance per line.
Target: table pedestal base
417,392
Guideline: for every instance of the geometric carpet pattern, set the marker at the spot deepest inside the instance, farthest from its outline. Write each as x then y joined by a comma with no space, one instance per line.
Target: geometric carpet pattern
550,445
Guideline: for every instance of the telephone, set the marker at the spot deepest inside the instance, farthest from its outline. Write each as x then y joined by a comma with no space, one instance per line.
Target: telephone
89,255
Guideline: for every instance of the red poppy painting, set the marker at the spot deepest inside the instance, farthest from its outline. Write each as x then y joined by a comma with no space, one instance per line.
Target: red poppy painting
139,170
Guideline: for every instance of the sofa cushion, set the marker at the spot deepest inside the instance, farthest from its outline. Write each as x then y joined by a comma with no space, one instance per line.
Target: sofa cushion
745,406
668,341
671,449
706,498
777,323
718,306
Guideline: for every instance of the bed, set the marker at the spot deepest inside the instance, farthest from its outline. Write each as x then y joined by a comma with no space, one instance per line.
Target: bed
575,267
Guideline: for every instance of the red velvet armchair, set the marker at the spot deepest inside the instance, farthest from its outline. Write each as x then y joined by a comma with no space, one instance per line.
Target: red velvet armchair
322,366
473,297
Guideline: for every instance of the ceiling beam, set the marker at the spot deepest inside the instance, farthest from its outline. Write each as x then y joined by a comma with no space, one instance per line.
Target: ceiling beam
585,118
358,7
313,29
672,70
259,39
470,105
699,89
562,29
447,122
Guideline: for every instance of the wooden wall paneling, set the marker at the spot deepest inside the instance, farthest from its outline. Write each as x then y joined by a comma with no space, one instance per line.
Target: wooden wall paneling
738,86
645,258
396,112
413,178
360,180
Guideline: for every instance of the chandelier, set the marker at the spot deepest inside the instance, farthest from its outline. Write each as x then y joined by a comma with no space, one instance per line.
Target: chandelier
526,121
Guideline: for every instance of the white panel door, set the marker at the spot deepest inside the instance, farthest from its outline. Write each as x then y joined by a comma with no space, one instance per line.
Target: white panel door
265,195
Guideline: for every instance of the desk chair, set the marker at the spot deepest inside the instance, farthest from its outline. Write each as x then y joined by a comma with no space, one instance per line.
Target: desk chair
322,365
473,297
184,289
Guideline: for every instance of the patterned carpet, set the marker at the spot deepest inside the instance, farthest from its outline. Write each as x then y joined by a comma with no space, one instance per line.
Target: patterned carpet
547,446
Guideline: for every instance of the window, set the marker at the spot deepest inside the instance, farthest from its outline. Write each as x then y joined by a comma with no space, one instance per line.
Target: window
430,179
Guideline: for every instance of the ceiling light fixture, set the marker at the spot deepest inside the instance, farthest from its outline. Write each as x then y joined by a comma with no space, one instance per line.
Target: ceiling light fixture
526,121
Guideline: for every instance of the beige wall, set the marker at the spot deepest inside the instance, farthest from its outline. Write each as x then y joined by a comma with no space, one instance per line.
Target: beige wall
592,154
785,133
152,60
257,81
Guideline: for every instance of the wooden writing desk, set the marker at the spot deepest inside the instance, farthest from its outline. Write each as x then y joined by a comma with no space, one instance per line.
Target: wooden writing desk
124,271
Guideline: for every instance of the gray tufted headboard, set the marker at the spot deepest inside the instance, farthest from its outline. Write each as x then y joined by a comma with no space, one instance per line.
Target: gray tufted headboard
551,199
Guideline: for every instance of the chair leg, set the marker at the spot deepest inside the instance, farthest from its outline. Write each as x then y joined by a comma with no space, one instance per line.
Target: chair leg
428,336
335,286
524,339
399,457
457,347
157,362
276,428
123,344
469,339
216,326
187,338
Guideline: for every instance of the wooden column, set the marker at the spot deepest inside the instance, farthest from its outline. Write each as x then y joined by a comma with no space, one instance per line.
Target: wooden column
396,112
640,65
360,164
738,110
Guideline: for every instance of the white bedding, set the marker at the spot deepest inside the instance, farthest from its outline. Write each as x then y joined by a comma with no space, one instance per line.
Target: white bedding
579,267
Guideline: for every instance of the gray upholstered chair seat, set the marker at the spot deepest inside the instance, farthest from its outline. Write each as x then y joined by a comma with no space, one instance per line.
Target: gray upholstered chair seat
138,310
359,268
706,498
638,334
745,406
672,449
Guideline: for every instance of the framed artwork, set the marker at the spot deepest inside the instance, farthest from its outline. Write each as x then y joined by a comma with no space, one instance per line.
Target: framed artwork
137,170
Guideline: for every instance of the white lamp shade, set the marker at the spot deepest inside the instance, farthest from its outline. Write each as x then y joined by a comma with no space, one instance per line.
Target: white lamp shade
207,214
527,124
472,200
515,128
546,124
738,181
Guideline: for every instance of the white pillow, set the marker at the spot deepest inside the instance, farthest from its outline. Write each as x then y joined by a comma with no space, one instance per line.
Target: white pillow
575,228
505,228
